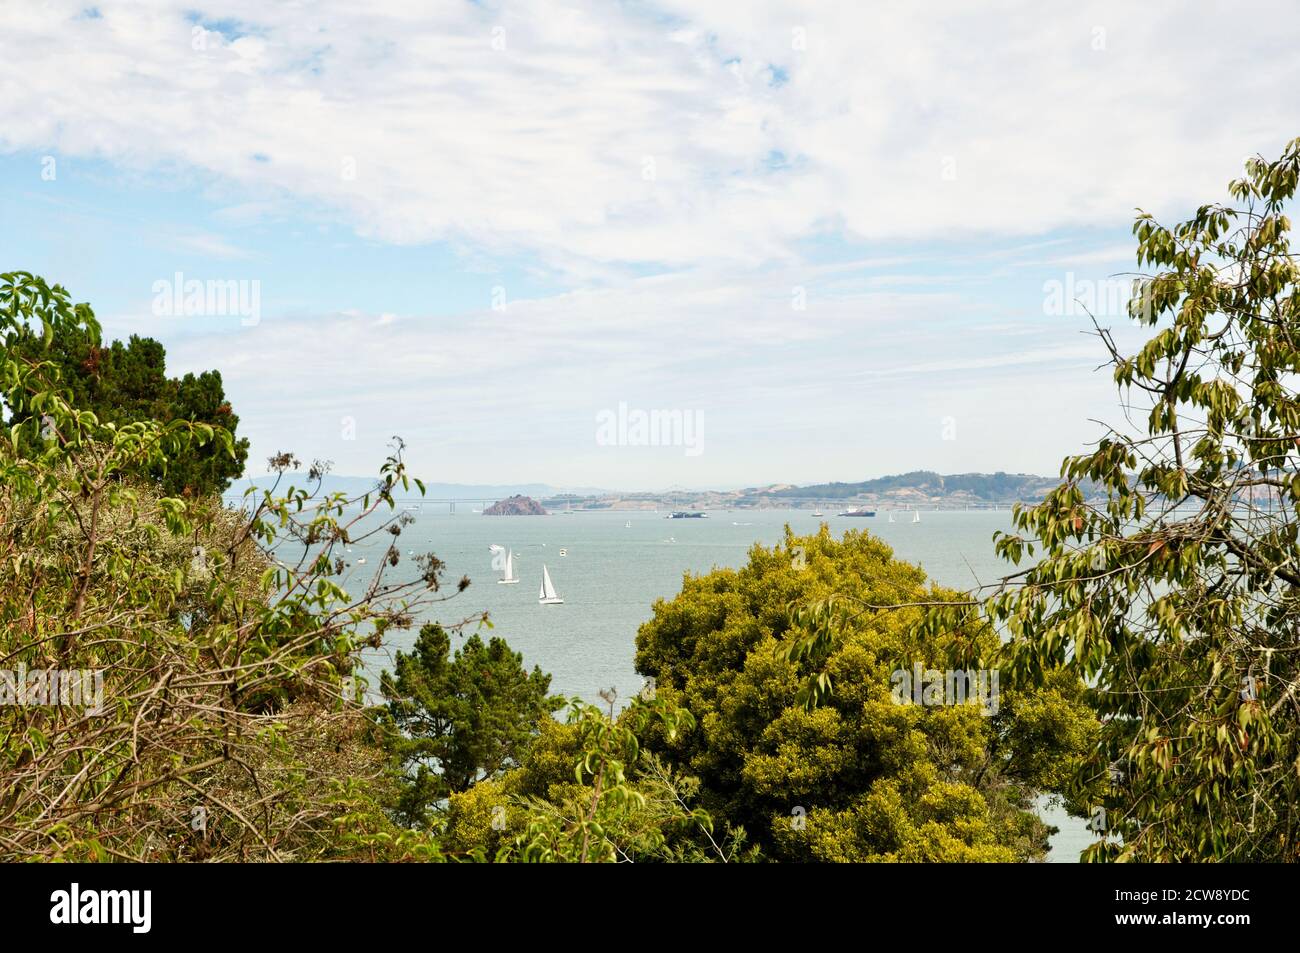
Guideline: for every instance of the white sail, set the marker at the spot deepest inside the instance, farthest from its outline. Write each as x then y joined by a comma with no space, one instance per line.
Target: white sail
547,595
916,517
508,577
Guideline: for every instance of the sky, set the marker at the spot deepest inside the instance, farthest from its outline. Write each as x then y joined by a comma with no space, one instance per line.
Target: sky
634,246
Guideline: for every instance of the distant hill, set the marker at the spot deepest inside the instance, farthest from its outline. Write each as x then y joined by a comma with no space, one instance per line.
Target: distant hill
984,487
515,506
917,487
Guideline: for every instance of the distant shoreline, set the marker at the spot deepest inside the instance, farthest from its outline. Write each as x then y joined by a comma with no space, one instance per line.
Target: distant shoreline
921,489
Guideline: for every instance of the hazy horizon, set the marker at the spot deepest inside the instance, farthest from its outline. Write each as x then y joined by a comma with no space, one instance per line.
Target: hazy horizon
526,486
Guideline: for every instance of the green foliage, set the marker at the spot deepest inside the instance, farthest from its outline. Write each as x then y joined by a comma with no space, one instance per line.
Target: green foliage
224,639
802,743
126,383
459,718
622,805
587,791
1178,598
481,822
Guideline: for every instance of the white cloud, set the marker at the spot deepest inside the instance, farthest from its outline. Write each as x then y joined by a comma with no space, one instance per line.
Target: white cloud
598,135
869,373
204,243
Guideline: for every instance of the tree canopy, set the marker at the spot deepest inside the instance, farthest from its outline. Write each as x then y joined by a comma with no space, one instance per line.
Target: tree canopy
199,656
460,717
127,383
589,791
1178,597
849,773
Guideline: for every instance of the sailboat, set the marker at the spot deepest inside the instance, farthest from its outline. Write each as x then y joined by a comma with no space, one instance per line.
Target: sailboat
627,525
508,576
891,517
547,595
916,516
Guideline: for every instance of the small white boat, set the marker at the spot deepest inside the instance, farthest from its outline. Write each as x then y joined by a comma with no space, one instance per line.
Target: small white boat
891,517
564,552
916,516
508,576
627,525
547,595
817,513
361,561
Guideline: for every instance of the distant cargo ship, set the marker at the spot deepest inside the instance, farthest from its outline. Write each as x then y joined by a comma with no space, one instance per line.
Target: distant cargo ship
683,515
860,511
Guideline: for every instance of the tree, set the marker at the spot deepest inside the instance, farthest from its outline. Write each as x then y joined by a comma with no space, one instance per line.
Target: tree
805,742
459,718
185,665
609,817
126,383
588,792
1178,598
